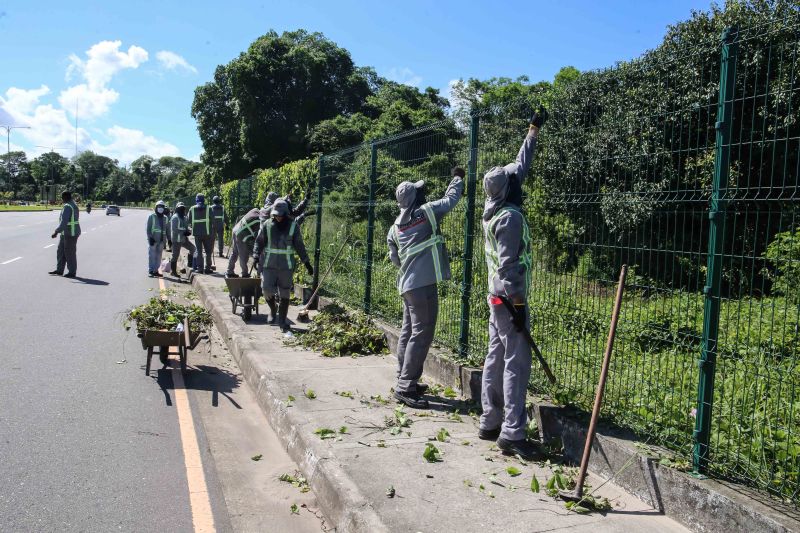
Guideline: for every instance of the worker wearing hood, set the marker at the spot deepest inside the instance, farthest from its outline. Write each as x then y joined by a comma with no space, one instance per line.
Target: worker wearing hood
507,367
243,239
200,224
416,247
179,227
156,238
218,223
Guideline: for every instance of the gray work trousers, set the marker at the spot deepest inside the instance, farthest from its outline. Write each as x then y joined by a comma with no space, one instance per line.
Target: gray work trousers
203,243
239,250
67,254
420,310
276,281
506,372
176,249
154,256
219,236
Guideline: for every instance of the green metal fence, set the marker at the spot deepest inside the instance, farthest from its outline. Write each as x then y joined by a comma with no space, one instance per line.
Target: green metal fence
682,164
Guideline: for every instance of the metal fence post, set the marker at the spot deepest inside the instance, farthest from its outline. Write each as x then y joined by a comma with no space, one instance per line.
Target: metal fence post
373,179
716,238
318,237
469,237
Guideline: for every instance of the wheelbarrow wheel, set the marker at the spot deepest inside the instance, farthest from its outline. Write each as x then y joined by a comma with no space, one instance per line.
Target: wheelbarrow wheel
247,308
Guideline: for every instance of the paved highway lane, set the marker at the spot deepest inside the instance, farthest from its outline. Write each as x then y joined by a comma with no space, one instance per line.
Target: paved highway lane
86,443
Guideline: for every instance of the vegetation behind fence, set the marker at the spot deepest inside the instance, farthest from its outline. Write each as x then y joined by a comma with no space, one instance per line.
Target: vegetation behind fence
683,164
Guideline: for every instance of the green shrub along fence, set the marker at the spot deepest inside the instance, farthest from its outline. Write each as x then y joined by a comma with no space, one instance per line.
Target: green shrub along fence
682,164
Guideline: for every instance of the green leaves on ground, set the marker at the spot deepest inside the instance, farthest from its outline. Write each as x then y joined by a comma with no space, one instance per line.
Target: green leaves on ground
513,471
431,453
336,332
534,484
310,394
345,394
442,435
294,509
296,480
257,457
449,393
396,423
158,314
325,433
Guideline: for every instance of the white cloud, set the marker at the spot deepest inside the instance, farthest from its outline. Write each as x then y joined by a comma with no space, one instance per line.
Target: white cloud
24,100
172,61
103,61
404,75
126,145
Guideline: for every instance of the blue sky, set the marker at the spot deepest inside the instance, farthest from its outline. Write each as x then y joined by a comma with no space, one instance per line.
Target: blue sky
132,66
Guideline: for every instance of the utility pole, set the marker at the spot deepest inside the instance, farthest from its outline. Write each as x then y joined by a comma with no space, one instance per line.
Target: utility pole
8,129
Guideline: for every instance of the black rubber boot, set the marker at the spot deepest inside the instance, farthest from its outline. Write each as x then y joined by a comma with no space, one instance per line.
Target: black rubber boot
273,310
173,268
411,399
524,448
283,310
489,434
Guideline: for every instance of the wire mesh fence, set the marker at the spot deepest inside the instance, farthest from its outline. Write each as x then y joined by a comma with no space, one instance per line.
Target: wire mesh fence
682,164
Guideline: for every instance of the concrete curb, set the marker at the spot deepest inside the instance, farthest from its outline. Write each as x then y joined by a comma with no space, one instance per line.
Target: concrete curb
699,504
340,499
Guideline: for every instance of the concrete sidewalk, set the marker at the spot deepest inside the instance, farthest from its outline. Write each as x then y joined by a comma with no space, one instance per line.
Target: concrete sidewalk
468,490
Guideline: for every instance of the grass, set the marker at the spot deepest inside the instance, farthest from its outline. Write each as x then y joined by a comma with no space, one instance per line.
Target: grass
25,208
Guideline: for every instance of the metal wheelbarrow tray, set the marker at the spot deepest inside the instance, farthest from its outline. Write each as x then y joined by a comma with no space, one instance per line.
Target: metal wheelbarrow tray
244,293
184,340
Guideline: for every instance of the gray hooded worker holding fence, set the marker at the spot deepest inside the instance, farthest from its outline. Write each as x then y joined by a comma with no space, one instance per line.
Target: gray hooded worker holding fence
417,247
179,227
157,224
243,238
507,367
276,244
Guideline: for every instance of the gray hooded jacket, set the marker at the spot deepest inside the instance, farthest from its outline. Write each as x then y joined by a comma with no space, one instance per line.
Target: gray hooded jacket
217,217
178,225
157,227
506,233
275,246
423,262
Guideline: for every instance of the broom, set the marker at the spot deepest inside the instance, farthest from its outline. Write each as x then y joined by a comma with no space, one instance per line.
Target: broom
302,316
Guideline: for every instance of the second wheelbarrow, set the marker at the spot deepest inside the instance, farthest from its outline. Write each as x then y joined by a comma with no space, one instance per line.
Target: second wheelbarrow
244,293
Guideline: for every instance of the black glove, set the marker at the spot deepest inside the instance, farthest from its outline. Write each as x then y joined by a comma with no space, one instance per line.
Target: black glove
539,117
458,171
187,233
152,241
256,257
521,316
310,269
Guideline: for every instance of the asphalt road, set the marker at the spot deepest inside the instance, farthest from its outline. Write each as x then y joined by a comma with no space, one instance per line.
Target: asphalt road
87,442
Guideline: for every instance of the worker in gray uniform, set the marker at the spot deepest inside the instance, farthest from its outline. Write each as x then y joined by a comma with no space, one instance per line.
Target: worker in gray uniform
243,238
179,227
507,367
168,216
69,230
218,222
156,238
417,247
268,201
200,224
277,241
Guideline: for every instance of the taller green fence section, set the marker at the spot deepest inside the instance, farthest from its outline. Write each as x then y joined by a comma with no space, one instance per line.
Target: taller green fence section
682,164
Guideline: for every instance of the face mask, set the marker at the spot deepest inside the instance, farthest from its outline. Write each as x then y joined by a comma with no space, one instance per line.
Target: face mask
181,211
159,210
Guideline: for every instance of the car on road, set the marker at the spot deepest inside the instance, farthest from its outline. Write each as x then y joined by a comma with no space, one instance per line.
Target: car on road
112,210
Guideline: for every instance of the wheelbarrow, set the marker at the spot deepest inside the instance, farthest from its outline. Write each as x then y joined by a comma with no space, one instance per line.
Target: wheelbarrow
244,293
164,340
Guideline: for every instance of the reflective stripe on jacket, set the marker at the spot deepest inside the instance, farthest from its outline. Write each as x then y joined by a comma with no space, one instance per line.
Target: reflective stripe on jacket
68,222
156,227
178,225
218,216
248,223
276,246
200,223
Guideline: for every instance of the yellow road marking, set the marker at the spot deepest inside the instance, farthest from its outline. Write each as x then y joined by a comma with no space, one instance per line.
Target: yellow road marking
202,517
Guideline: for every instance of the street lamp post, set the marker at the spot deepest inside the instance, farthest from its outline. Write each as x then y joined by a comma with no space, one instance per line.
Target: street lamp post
8,129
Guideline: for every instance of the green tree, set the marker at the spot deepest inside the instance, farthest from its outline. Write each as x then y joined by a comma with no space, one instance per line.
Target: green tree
15,175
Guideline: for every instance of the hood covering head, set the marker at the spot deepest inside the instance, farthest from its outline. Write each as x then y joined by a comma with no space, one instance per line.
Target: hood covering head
217,200
200,199
271,197
406,195
496,185
180,208
280,208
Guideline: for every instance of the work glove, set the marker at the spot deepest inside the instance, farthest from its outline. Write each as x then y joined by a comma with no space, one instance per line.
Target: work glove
187,233
53,236
539,117
520,320
310,269
458,171
256,258
152,241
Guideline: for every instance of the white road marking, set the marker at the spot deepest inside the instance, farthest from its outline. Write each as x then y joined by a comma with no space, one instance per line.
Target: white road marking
49,245
10,261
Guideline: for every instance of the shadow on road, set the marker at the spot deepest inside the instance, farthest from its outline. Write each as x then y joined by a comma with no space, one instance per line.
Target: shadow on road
203,378
90,281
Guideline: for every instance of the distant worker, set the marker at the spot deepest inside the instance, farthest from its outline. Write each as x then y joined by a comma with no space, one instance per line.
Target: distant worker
70,230
179,227
277,241
157,224
507,367
243,238
88,207
168,216
200,224
417,247
218,223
